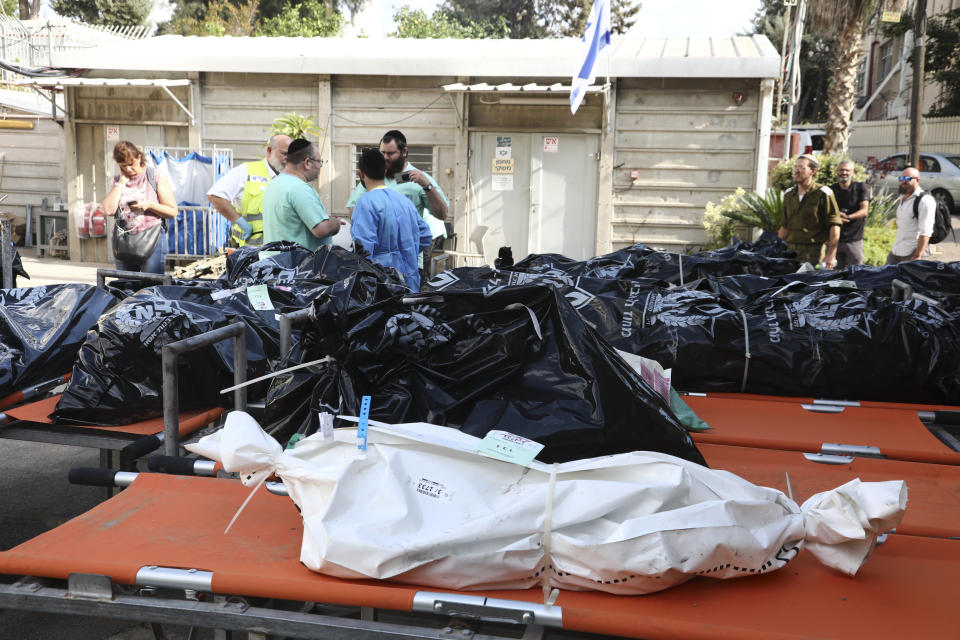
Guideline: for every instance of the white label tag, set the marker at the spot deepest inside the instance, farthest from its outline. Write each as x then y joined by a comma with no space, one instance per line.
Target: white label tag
225,293
509,447
259,297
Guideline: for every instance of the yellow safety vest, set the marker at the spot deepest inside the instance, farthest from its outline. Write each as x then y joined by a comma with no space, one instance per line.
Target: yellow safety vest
251,204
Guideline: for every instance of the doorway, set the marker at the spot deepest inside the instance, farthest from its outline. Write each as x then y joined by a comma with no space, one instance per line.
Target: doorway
535,192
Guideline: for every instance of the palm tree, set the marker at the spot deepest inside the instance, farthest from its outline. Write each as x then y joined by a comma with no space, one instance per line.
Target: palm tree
846,20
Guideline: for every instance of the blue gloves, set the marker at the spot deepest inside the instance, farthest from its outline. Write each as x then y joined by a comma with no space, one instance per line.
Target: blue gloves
243,224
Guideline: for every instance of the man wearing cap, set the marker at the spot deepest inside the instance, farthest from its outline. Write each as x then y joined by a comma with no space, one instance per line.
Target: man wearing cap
244,184
292,209
810,215
386,223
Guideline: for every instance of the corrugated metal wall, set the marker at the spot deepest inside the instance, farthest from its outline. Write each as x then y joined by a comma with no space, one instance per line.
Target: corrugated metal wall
31,166
879,139
689,143
366,107
238,109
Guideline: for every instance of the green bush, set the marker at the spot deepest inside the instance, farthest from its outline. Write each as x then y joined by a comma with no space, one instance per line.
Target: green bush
781,177
877,242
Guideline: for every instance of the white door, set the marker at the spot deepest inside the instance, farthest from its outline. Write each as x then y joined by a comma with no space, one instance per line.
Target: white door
535,193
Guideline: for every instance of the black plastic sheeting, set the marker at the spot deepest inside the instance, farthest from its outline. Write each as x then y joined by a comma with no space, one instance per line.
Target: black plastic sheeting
117,378
768,256
42,328
808,334
519,359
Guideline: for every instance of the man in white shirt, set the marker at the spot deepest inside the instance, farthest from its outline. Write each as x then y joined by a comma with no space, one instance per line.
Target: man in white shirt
244,185
913,230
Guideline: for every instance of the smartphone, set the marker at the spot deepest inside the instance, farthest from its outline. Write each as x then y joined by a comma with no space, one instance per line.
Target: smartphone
405,176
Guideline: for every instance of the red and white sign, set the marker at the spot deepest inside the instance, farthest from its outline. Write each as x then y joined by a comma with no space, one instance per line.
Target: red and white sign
113,133
551,144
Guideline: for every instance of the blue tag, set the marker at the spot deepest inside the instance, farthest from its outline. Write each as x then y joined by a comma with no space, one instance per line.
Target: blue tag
362,425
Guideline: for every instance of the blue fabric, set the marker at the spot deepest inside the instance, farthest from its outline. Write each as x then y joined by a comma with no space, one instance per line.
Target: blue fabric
154,264
193,155
391,229
196,232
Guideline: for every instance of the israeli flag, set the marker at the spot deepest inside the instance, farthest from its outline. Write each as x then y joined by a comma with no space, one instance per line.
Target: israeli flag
595,37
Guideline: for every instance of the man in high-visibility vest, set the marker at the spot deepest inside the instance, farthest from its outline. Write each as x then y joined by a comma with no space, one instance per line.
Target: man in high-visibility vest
244,185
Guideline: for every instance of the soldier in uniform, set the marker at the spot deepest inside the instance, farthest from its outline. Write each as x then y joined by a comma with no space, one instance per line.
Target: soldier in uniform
811,216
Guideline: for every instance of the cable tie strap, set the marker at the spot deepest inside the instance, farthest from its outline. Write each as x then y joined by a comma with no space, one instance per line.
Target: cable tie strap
746,354
548,597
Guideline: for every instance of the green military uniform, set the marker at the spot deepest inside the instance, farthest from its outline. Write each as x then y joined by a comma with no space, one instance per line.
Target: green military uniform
808,221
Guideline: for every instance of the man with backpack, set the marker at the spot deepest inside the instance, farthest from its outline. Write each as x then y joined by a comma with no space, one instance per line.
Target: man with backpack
916,216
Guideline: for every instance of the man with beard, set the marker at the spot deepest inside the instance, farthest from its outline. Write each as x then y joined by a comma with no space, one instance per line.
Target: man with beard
418,187
810,215
914,221
386,224
292,209
853,198
245,183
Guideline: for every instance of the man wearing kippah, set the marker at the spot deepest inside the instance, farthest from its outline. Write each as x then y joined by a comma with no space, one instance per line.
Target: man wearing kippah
810,215
292,209
386,223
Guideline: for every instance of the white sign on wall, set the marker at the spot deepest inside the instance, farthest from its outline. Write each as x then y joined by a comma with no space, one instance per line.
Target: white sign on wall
551,144
113,133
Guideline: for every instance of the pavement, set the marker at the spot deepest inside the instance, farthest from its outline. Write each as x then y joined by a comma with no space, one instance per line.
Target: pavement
37,497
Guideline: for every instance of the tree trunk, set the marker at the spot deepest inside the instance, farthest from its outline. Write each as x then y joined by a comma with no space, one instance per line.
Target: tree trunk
842,93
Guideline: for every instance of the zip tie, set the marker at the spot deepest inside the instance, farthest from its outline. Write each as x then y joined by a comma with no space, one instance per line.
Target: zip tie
362,424
680,261
277,373
245,502
746,355
548,597
789,488
533,317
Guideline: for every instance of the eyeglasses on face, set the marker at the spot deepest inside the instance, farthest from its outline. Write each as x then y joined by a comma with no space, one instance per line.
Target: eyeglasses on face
906,178
317,160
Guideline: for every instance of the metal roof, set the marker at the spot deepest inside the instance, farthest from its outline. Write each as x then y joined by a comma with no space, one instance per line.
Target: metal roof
101,82
728,57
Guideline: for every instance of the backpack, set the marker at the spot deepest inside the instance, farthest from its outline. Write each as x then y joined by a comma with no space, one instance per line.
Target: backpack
942,224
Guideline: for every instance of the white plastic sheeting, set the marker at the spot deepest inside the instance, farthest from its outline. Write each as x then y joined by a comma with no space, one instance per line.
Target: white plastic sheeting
420,506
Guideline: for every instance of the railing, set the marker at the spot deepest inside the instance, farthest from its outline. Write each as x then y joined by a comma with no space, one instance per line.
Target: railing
197,232
32,44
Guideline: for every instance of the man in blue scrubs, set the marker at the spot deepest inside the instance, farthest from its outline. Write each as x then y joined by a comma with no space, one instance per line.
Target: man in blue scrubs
386,223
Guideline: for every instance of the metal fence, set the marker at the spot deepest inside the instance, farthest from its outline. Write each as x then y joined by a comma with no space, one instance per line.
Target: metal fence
32,44
877,139
198,230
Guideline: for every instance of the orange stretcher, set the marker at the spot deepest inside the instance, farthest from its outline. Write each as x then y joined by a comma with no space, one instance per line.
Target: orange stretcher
31,422
867,429
166,532
933,508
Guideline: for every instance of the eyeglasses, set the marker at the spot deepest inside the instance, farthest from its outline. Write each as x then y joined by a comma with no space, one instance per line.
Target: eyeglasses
317,160
906,178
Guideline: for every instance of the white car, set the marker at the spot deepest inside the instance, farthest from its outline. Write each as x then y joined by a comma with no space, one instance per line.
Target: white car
939,175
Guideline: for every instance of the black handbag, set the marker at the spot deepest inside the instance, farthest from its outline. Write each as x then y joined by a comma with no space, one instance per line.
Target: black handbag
137,247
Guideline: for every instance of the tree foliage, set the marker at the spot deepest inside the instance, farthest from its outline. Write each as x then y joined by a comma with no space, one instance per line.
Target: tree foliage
415,23
311,18
814,63
306,19
539,18
942,61
106,12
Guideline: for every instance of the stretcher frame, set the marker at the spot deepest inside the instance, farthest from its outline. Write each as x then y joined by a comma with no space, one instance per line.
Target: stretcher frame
217,581
829,428
120,445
